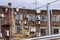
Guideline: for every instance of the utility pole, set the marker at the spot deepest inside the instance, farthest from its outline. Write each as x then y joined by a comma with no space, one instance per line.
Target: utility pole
48,19
35,4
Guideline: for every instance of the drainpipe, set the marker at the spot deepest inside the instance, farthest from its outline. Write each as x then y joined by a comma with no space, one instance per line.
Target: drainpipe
48,19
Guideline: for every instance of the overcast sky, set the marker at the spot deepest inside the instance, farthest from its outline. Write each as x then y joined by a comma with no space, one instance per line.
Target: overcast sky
29,3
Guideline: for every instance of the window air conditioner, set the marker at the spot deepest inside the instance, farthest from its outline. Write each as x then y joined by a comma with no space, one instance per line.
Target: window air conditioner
0,34
37,22
26,33
38,34
18,22
25,22
32,29
26,16
26,26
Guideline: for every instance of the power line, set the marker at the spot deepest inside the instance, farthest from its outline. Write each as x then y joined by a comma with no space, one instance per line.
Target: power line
46,4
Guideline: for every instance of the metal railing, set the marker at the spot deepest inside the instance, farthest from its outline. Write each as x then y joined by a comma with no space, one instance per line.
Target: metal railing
56,36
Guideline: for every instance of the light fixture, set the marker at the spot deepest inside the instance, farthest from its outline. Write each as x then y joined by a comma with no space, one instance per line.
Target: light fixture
38,11
17,9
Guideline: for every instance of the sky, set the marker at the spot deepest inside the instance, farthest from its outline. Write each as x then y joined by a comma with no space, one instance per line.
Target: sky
29,4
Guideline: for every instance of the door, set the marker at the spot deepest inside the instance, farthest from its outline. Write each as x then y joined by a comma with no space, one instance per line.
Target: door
5,32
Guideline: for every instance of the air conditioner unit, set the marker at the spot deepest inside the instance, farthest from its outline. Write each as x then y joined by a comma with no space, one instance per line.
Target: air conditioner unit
18,22
26,26
32,29
25,22
0,34
38,17
26,33
7,33
26,16
37,22
38,34
44,19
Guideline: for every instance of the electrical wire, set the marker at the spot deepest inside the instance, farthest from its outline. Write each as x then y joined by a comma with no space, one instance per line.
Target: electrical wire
47,3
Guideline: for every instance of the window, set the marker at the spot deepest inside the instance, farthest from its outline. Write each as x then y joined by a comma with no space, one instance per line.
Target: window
55,18
19,16
19,29
43,18
4,20
32,29
31,18
43,31
55,30
38,17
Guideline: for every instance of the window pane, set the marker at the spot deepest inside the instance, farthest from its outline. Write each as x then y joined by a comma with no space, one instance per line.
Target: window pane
43,18
32,18
55,18
43,32
56,31
19,29
38,17
19,16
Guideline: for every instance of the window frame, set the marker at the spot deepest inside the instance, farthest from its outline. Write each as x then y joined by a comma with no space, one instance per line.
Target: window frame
31,17
43,28
55,28
43,16
55,19
19,16
20,30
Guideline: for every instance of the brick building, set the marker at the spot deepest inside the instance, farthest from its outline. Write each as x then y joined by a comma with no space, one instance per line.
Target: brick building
26,23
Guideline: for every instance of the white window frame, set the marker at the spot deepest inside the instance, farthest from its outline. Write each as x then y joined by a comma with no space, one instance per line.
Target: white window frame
56,28
55,19
43,28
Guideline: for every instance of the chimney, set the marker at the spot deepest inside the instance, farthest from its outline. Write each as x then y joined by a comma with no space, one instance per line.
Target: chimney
9,5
